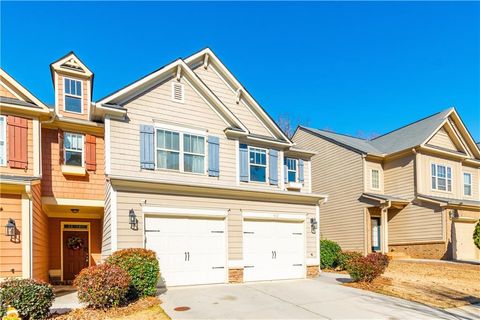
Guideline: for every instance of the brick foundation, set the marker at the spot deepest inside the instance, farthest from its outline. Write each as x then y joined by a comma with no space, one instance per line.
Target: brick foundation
235,275
313,271
422,251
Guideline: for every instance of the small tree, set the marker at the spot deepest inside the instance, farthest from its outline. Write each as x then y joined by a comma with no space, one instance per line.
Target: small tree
476,235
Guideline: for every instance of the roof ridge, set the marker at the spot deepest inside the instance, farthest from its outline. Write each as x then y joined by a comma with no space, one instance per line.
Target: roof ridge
340,134
417,121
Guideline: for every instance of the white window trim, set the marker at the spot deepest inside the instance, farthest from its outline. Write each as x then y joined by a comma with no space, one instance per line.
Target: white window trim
73,96
181,152
4,133
65,148
371,179
446,178
173,92
260,165
464,184
296,169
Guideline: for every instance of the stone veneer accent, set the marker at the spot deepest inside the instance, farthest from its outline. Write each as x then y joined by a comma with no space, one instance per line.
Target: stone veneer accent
313,271
422,250
235,275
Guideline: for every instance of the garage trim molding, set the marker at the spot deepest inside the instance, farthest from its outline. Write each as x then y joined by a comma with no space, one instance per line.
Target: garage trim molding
167,211
273,216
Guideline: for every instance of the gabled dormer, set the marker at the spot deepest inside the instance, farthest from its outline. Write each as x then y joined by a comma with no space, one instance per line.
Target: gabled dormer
72,81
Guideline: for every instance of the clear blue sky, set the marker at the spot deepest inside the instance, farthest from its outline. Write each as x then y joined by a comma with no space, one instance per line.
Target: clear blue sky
355,68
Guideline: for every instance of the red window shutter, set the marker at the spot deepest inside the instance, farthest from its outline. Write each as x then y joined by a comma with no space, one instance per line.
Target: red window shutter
61,156
90,152
17,142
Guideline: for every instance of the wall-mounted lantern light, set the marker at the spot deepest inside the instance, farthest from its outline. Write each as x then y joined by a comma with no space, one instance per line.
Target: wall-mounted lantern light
10,228
453,213
132,217
314,225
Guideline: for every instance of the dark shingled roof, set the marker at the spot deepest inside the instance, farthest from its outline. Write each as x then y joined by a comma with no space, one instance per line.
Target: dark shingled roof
18,102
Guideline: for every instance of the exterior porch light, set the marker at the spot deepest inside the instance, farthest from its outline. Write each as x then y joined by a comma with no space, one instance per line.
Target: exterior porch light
314,225
132,217
10,228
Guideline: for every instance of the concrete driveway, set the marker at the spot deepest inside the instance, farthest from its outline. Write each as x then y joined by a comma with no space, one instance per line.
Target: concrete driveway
322,298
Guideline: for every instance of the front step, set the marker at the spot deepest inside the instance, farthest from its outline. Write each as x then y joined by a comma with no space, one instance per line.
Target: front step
398,255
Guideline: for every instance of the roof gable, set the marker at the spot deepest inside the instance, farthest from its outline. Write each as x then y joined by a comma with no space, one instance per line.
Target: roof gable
13,93
177,69
70,63
446,138
206,57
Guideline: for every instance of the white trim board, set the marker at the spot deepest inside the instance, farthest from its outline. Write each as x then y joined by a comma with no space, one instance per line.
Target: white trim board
274,216
188,212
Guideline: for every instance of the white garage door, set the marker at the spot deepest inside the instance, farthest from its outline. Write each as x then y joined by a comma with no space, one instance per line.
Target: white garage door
273,250
465,248
190,251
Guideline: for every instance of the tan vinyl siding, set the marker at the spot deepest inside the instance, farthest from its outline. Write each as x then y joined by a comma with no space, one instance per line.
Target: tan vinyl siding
425,183
415,224
338,172
400,177
369,166
127,200
441,139
228,97
40,238
107,223
475,183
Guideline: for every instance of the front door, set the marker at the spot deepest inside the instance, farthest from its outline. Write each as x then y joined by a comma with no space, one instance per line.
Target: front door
376,234
75,253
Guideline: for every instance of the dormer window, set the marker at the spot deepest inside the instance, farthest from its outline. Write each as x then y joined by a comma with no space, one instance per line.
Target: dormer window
73,95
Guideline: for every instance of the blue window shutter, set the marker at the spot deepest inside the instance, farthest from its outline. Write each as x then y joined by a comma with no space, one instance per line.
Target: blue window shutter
213,156
273,167
147,159
243,162
300,171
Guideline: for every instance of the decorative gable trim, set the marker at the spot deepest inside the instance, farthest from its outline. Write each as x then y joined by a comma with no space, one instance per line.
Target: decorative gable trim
237,87
70,63
174,69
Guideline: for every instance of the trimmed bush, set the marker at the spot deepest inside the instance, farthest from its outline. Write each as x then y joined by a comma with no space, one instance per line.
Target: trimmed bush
329,251
365,269
142,266
31,298
344,258
476,235
102,286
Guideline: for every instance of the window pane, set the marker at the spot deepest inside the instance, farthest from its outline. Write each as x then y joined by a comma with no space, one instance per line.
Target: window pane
73,158
442,184
441,171
193,163
198,145
449,173
449,184
167,160
187,146
73,104
175,141
257,173
292,176
79,88
467,190
160,139
67,86
68,141
434,171
467,178
434,183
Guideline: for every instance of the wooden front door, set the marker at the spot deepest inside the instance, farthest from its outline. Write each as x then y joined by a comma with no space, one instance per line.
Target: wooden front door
75,253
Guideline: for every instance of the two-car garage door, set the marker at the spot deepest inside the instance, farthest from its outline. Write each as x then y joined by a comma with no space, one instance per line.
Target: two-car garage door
194,250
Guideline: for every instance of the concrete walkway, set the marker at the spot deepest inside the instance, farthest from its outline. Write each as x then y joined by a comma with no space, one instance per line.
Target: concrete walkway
322,298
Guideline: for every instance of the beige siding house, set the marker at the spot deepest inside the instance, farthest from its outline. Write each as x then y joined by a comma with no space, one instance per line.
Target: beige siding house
197,171
411,192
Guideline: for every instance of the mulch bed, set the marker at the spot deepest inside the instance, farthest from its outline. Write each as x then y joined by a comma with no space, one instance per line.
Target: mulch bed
88,313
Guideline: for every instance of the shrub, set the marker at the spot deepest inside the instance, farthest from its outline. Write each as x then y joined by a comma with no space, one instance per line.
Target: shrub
365,269
31,298
329,251
142,266
344,258
102,286
476,235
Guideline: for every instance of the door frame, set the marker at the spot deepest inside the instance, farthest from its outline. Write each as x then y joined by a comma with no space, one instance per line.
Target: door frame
379,239
62,229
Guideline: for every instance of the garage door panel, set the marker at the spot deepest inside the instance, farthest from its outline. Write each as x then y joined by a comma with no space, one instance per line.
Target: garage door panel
190,251
464,248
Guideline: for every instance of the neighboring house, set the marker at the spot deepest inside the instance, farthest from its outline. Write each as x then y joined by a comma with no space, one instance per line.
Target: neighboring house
413,191
197,171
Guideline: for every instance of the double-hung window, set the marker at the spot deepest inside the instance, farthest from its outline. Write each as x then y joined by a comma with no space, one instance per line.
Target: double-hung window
3,142
180,151
441,177
73,145
168,150
258,164
194,153
375,179
467,184
291,169
73,95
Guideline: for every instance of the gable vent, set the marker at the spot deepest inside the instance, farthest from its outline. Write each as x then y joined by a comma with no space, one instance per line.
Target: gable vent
178,92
